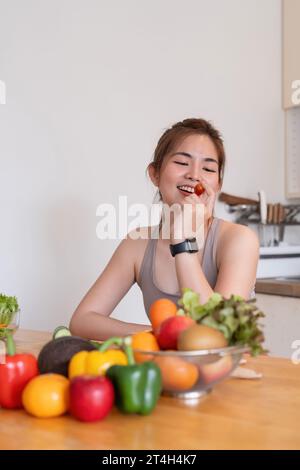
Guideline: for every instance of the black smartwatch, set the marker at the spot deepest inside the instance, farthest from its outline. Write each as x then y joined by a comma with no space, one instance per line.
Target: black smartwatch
188,246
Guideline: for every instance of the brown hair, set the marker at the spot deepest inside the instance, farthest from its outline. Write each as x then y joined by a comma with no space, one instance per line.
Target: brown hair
175,134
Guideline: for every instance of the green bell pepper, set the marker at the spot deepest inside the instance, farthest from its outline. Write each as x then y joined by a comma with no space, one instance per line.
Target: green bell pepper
137,386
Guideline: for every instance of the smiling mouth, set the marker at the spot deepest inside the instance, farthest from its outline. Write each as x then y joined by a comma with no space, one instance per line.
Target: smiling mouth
186,189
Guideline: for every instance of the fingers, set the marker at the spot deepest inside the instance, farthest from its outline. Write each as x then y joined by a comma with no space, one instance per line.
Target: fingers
207,187
210,197
192,198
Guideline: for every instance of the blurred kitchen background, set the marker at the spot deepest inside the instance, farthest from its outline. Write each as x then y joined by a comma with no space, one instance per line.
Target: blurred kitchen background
90,87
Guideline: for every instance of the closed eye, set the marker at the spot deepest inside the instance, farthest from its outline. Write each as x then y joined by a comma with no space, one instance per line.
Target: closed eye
208,169
186,164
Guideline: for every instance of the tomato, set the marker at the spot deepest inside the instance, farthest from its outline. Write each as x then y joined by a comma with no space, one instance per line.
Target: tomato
199,189
46,396
177,374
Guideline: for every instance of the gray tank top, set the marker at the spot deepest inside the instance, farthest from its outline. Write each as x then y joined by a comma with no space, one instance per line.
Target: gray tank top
147,282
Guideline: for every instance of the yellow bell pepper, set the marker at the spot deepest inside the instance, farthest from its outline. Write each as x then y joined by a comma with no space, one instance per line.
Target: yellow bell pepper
95,362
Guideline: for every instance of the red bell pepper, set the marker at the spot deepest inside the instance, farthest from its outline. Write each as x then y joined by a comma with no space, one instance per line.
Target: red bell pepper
15,373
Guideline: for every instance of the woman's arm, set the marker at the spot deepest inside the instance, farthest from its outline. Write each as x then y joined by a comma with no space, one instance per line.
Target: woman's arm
93,325
190,274
238,257
91,318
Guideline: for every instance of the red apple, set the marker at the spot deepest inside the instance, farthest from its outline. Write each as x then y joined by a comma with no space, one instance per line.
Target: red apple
216,370
91,397
168,332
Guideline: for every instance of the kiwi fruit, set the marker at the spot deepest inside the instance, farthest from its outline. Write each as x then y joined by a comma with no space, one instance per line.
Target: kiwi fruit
198,337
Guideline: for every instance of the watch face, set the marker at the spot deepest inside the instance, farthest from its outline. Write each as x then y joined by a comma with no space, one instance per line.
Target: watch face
190,245
193,245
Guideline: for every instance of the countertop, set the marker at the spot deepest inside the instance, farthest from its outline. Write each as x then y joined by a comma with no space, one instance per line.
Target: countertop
285,287
238,414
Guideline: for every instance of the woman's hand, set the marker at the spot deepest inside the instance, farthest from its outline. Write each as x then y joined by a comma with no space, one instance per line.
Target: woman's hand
208,198
192,220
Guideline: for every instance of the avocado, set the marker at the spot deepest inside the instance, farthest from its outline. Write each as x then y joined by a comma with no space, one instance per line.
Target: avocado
55,355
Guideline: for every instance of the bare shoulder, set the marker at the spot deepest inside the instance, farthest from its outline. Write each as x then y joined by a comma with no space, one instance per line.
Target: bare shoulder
235,237
231,230
139,233
135,240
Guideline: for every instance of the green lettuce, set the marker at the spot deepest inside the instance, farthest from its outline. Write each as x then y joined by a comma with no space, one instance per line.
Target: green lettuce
8,307
237,318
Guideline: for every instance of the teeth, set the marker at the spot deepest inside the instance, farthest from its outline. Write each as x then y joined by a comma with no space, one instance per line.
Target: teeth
187,188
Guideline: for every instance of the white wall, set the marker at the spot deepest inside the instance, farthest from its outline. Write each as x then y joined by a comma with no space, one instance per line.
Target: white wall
91,85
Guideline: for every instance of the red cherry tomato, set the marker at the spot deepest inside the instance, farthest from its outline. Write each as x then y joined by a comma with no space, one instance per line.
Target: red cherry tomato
198,189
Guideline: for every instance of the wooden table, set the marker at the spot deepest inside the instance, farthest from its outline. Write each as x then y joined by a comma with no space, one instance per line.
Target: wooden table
238,414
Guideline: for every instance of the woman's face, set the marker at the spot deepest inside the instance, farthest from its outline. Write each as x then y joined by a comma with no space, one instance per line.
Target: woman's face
195,159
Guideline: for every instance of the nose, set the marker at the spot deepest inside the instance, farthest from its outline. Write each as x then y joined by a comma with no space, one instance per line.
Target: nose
193,172
193,179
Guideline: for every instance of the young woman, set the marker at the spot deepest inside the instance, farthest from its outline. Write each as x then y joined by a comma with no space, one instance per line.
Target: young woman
224,258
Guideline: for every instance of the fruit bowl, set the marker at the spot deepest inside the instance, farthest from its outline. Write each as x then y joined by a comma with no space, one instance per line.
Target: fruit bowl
192,374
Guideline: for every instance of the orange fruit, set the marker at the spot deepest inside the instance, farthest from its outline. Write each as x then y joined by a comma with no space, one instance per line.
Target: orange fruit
160,310
46,396
145,341
177,374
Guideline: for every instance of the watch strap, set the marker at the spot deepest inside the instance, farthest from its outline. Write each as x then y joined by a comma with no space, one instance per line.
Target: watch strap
187,246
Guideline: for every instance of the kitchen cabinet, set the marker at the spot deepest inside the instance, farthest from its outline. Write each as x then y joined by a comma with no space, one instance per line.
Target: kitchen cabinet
291,53
281,324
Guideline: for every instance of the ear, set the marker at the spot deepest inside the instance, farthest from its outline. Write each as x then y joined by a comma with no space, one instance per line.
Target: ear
153,174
